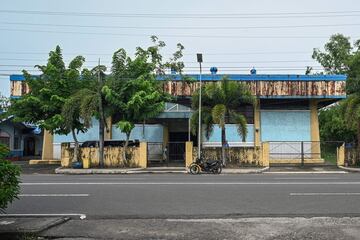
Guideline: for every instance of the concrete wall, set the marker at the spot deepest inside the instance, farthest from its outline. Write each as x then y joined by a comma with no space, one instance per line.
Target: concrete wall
112,156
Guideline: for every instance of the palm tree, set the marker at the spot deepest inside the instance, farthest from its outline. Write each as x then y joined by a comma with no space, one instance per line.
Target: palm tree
221,104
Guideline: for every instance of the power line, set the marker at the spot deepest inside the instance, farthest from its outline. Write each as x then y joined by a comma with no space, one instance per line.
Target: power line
185,54
168,35
324,14
212,62
181,27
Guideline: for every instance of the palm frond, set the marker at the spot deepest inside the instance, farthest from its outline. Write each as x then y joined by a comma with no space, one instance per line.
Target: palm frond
218,114
241,124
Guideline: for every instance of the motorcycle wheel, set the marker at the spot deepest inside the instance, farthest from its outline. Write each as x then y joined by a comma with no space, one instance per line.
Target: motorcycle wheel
217,170
194,169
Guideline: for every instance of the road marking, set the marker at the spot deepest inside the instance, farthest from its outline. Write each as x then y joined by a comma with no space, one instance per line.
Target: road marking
324,194
80,215
309,172
188,183
54,195
304,178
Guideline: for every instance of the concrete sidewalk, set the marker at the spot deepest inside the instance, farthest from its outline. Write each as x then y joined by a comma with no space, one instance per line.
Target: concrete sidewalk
262,228
181,170
12,227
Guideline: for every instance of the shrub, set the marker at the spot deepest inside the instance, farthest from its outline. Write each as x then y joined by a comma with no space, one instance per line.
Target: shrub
9,179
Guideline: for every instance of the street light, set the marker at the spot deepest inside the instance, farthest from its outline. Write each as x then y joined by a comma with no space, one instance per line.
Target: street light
199,60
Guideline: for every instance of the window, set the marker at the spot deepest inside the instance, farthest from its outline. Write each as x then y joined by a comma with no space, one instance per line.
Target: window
5,141
16,142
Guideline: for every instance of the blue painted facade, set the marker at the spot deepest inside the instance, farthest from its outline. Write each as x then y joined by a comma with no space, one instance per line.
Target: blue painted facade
285,125
232,134
150,133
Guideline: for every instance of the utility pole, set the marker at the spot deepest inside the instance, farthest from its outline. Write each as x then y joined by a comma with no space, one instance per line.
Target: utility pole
199,60
101,120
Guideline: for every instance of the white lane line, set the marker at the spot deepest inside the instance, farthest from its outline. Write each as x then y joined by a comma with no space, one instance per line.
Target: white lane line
188,183
309,172
304,178
324,194
80,215
54,195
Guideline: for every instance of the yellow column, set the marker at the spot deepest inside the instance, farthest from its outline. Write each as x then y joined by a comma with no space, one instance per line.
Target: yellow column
48,148
142,162
314,128
257,123
341,155
108,131
188,153
265,154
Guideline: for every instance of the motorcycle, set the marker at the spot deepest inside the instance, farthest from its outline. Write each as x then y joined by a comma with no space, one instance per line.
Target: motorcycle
201,165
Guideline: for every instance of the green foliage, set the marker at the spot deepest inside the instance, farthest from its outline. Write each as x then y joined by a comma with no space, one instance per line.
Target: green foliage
125,127
4,103
49,92
221,102
9,179
333,126
337,55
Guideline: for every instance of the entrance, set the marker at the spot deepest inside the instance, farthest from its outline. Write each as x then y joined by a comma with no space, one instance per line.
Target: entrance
176,148
29,148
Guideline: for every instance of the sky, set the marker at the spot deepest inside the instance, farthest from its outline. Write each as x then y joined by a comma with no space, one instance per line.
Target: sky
275,37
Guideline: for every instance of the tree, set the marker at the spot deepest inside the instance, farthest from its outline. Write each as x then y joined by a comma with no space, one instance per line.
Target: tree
221,104
50,90
342,57
87,103
9,179
336,57
333,126
133,89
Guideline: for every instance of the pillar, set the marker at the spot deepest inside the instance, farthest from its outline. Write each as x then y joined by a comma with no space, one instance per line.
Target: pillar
142,162
188,153
165,135
315,133
108,130
48,148
265,154
257,123
341,155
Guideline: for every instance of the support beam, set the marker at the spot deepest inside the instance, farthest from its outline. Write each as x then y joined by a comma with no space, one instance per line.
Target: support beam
314,128
108,131
48,148
257,123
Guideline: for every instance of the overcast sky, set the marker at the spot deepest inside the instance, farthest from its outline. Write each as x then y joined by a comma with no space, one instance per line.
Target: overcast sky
274,36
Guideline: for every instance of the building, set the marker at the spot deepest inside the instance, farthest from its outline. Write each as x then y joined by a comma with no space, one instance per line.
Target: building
285,114
23,140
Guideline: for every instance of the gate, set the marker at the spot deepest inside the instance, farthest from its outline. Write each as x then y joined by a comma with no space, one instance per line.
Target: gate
177,152
155,153
303,153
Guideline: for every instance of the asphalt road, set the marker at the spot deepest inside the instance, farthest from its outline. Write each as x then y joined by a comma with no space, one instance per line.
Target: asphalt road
187,196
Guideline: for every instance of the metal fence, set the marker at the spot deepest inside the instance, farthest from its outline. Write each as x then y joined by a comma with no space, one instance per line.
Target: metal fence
303,153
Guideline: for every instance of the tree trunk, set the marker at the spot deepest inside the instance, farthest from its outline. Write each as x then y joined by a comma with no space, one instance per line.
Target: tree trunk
125,149
223,143
76,147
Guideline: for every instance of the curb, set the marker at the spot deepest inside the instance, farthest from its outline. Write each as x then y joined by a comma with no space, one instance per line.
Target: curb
18,231
71,171
349,169
61,170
